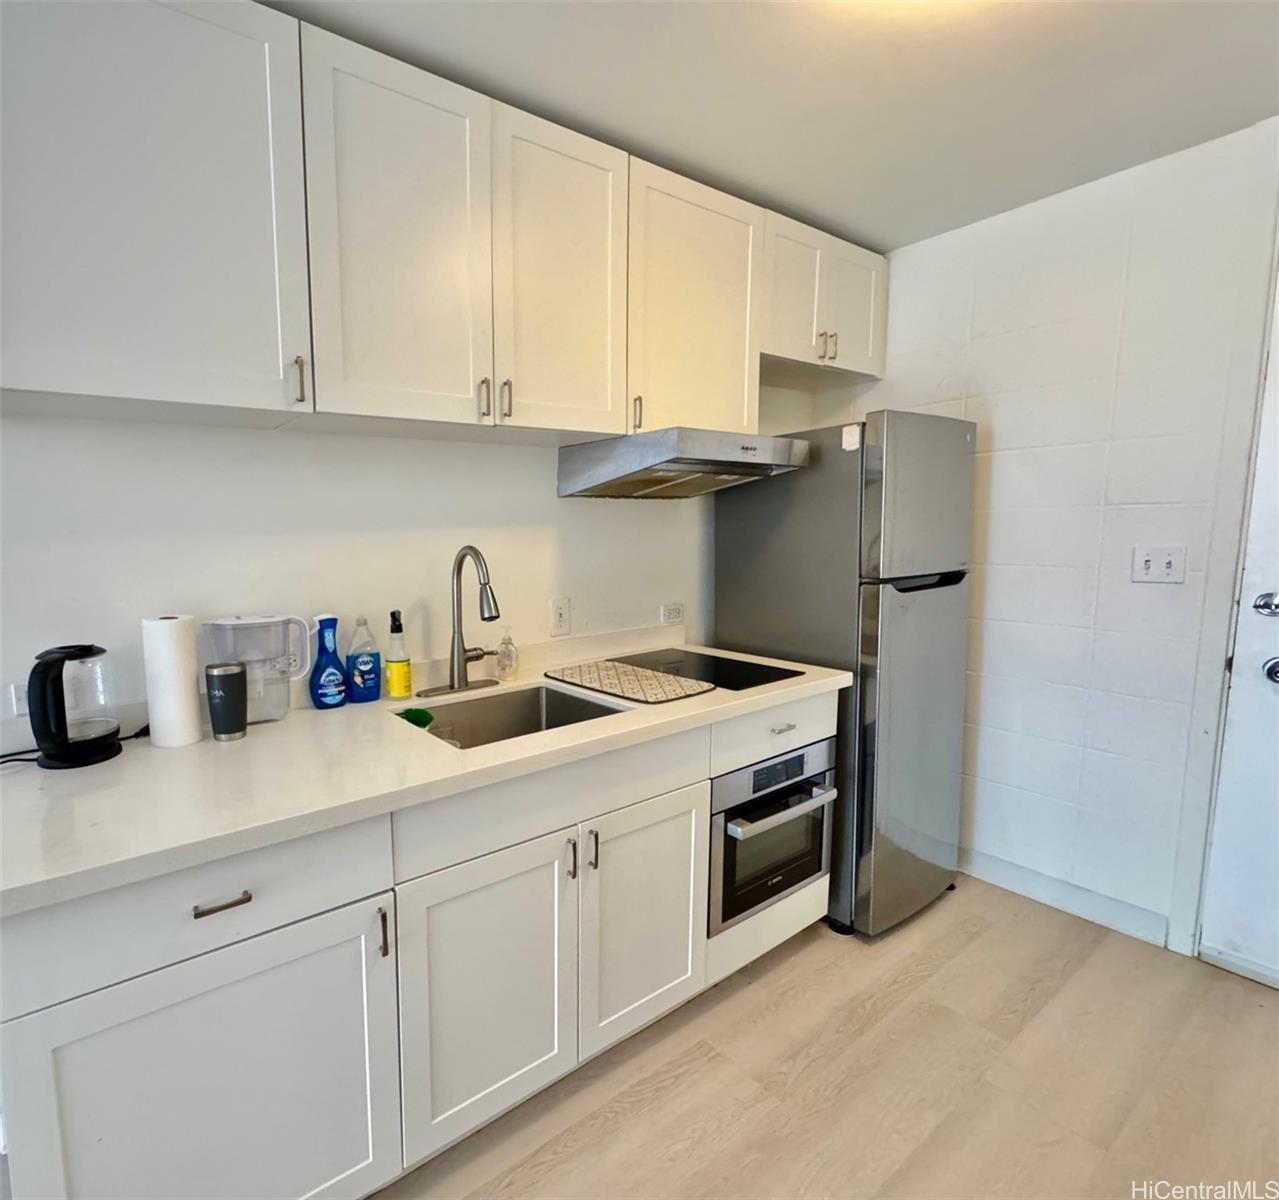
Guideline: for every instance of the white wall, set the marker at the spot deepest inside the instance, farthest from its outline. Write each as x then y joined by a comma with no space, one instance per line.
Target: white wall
107,521
1107,342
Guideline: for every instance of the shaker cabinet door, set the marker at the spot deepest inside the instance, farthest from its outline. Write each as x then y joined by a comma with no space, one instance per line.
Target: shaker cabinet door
559,277
488,987
153,218
397,169
644,897
268,1068
696,258
794,260
854,307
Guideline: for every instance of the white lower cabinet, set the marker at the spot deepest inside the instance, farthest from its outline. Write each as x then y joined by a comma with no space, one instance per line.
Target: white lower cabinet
643,938
498,994
264,1069
488,987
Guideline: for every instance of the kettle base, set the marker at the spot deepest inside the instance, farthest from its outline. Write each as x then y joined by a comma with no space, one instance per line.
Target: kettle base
80,758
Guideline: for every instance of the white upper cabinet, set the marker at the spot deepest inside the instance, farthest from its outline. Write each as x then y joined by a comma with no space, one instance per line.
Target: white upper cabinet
398,192
826,299
488,987
794,259
696,258
855,304
559,276
154,224
643,913
267,1068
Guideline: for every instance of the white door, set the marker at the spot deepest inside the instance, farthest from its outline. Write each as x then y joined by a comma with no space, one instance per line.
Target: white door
397,169
644,880
794,258
266,1069
854,306
154,225
488,987
1240,915
559,276
696,259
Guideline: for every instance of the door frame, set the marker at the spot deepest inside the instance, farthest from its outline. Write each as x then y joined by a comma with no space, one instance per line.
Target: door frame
1198,805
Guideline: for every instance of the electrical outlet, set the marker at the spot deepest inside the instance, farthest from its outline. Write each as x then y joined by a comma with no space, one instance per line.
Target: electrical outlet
561,616
1159,564
673,614
15,700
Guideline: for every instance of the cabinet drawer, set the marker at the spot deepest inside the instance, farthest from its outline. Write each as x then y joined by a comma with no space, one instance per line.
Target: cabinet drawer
744,740
65,950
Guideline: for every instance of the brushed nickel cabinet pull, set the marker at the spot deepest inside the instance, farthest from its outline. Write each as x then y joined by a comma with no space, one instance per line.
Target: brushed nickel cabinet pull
300,363
637,411
202,910
594,860
834,346
386,934
778,730
486,397
506,397
825,339
572,858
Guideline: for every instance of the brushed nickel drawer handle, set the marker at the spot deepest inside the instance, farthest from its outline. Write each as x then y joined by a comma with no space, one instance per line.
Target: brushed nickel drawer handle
486,397
834,346
386,934
778,730
825,339
507,401
209,910
594,860
300,363
572,858
637,412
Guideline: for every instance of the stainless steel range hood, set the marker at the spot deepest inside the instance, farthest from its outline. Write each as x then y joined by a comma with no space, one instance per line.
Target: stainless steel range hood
670,464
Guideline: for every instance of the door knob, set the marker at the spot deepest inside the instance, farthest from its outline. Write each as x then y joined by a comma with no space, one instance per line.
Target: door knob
1267,604
1271,669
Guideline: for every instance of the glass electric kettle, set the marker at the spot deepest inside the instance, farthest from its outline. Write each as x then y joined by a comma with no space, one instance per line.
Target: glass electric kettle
72,712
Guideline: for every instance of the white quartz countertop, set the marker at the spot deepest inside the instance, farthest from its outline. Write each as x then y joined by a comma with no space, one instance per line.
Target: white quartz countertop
65,834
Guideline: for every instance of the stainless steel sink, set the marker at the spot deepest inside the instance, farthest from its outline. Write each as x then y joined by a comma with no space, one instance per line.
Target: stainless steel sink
497,717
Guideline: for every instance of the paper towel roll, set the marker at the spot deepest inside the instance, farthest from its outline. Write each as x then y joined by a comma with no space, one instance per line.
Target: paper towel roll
173,694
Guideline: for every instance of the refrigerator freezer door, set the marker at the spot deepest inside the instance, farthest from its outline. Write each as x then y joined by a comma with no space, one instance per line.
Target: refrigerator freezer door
911,716
786,566
918,506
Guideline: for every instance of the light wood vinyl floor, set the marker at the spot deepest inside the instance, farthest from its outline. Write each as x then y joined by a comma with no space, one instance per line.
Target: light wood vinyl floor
990,1047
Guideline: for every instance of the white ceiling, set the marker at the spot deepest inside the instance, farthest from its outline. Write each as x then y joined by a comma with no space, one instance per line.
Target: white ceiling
885,122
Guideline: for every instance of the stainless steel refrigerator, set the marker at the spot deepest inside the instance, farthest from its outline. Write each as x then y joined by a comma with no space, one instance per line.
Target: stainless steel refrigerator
860,561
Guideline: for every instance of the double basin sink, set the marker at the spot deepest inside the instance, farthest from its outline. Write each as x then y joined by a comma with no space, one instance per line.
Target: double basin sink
505,715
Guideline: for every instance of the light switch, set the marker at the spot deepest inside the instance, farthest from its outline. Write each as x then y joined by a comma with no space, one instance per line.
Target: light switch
1159,564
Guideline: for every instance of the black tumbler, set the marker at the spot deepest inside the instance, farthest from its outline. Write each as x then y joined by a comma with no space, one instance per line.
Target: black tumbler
228,690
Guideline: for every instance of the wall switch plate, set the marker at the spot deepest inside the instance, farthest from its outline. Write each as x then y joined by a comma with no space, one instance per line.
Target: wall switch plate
1159,564
673,614
561,616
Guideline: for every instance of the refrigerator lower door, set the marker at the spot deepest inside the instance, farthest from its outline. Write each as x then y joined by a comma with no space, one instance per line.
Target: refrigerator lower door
910,719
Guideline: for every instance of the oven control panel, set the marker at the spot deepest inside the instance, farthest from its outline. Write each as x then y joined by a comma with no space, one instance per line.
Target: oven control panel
772,773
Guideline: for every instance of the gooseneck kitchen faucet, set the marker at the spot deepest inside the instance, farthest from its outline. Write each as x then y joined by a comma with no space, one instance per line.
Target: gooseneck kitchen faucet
459,654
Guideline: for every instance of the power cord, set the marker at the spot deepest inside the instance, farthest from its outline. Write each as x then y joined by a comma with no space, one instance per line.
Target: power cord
16,756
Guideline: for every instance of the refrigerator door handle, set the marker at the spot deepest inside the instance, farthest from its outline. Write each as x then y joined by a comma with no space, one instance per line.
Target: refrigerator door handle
926,583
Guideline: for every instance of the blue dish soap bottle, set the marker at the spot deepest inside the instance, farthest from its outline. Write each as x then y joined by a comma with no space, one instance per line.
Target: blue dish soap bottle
363,665
328,676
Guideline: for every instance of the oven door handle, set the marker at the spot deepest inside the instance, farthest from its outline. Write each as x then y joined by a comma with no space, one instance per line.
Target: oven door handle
749,829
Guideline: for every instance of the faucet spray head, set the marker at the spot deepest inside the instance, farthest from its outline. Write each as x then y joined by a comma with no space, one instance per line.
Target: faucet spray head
489,610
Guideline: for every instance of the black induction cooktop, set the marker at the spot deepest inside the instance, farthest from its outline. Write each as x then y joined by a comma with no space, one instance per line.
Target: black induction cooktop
729,673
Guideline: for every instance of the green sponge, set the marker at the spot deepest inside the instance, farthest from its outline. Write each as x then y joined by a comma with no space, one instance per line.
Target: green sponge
421,717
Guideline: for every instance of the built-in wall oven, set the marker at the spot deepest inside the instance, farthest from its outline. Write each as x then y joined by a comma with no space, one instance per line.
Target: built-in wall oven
770,831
